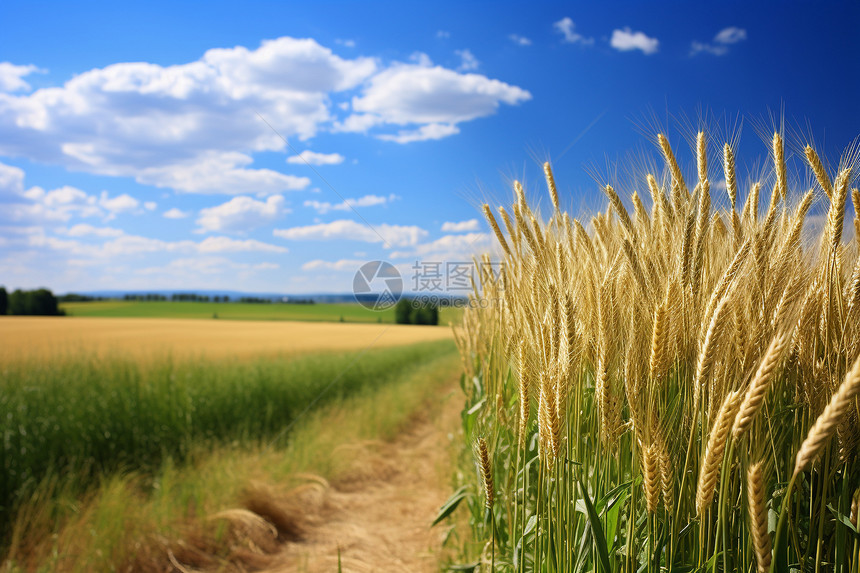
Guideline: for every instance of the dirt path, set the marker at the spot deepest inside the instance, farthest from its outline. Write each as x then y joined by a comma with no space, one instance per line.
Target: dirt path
378,515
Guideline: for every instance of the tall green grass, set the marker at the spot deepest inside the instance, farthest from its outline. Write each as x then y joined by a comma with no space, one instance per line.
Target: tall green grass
88,417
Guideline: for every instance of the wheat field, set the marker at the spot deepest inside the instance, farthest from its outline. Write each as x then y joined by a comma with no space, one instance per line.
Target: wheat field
671,387
23,337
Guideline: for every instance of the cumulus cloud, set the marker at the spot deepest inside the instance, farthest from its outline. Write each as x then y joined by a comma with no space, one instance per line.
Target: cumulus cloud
241,214
150,205
459,227
119,204
720,45
566,27
147,121
195,127
468,61
434,98
175,213
626,40
341,265
323,207
424,133
449,248
11,76
315,158
344,229
519,40
84,230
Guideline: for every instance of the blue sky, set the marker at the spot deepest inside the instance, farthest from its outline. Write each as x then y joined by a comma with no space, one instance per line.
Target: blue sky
135,152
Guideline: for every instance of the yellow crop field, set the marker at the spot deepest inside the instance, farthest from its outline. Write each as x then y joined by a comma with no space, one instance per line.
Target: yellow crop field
54,337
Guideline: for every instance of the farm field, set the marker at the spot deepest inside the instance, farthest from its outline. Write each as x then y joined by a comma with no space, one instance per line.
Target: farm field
54,337
240,311
136,442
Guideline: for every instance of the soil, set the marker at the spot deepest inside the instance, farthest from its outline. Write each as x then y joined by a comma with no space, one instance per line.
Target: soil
377,516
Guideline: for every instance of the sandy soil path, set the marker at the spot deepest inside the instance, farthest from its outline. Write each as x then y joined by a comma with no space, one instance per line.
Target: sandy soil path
378,516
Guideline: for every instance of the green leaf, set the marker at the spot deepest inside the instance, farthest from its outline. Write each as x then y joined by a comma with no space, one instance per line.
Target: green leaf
530,525
596,529
451,504
846,521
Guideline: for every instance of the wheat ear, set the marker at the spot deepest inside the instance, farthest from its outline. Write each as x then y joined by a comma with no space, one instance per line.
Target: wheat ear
710,468
550,183
731,178
525,391
819,171
701,156
756,492
486,473
761,383
779,164
823,428
488,213
651,477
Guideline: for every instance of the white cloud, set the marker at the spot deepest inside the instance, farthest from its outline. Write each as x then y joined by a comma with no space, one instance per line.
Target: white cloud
344,229
146,121
347,43
196,127
424,133
150,205
228,245
175,213
722,41
316,158
459,227
519,40
421,59
221,173
84,230
434,98
11,179
626,40
241,214
118,204
731,35
716,50
341,265
468,61
566,27
442,34
323,207
449,248
11,76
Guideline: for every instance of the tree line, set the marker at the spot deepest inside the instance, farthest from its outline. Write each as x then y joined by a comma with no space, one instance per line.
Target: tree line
40,302
410,311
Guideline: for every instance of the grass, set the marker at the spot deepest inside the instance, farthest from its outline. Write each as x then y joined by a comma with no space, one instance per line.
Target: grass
241,311
92,417
133,516
673,388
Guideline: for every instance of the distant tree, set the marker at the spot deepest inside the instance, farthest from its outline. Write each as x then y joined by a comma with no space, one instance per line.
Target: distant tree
4,300
41,302
403,311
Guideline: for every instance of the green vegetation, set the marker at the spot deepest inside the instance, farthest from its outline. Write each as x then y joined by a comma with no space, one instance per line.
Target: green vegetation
129,518
39,302
4,300
90,417
411,311
241,311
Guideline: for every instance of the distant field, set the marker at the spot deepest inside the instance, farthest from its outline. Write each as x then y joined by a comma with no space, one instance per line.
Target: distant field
241,311
23,337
